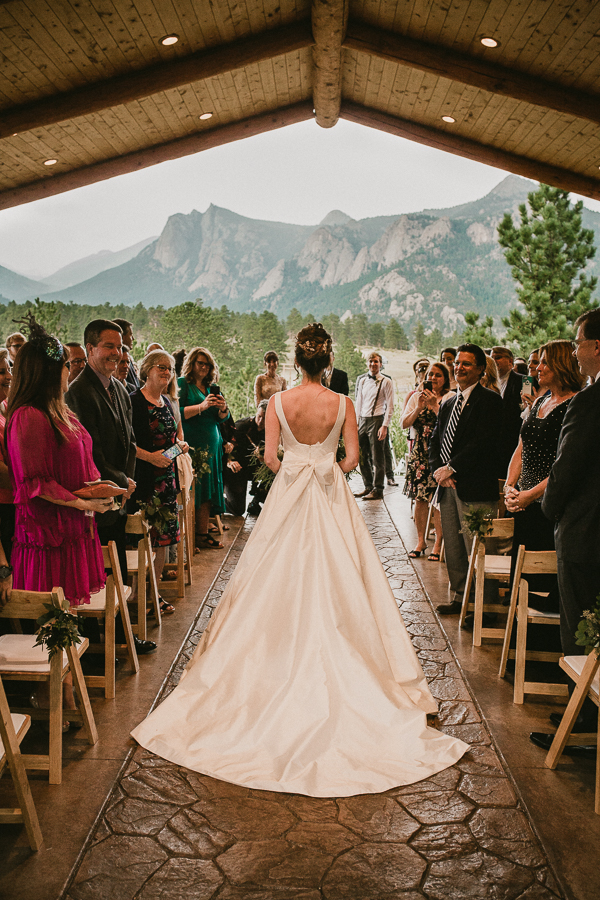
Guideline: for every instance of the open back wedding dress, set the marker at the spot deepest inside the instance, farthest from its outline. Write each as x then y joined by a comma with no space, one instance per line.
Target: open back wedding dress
305,680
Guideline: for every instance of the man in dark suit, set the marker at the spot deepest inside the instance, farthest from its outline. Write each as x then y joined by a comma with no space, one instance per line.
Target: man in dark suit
133,382
103,407
335,379
463,456
572,501
247,435
511,385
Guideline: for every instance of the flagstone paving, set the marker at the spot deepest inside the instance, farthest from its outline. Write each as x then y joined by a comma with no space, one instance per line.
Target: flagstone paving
169,833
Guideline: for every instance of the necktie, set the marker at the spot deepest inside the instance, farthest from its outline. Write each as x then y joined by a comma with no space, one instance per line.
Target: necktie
446,450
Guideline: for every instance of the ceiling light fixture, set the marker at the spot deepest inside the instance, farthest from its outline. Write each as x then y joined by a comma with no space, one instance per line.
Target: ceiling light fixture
50,162
206,116
448,119
169,39
489,42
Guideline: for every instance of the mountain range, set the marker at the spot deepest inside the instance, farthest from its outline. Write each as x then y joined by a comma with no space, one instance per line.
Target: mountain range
434,265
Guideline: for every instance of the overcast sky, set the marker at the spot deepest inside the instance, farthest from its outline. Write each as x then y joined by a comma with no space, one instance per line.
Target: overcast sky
296,174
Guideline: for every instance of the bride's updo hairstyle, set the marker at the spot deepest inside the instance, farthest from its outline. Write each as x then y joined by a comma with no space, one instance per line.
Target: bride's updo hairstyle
313,348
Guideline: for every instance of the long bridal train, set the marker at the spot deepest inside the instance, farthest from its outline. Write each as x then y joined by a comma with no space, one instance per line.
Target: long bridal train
305,680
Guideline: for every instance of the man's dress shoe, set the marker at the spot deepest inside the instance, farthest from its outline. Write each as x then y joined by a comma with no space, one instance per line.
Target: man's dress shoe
580,725
487,621
363,493
545,742
142,647
374,495
392,483
449,609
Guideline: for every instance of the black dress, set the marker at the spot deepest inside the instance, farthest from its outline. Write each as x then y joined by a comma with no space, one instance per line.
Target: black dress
532,528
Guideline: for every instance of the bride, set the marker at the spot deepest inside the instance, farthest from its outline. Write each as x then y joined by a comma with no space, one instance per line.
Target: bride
305,680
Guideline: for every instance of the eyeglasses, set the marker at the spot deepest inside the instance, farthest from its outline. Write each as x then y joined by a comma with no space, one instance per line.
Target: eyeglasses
68,365
164,369
202,365
77,361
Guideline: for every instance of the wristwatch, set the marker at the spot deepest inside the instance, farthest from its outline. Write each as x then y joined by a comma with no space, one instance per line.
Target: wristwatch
5,572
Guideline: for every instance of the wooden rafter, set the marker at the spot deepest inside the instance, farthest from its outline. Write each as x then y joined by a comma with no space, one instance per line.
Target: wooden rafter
460,146
329,21
154,79
474,71
133,162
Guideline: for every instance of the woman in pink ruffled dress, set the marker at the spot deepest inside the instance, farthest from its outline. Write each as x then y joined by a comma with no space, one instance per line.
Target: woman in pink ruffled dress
49,457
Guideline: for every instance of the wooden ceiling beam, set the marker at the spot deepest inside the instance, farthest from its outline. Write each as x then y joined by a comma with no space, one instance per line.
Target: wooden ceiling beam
329,21
474,71
133,162
154,79
483,153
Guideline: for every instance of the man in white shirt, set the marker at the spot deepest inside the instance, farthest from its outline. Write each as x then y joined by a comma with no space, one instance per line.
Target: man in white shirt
511,385
374,408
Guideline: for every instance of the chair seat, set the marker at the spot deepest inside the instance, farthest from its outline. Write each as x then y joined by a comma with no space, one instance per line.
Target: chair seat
18,654
132,562
497,565
538,614
573,666
21,725
98,600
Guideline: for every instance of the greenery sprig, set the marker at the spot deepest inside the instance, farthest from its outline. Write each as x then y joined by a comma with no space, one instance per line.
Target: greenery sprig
478,521
157,515
588,630
200,461
59,629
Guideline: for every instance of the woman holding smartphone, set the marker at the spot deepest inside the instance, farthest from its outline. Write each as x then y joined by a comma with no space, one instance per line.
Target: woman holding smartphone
421,413
157,446
202,408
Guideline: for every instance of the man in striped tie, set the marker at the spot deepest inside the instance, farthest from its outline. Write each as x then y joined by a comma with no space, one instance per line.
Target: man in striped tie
463,456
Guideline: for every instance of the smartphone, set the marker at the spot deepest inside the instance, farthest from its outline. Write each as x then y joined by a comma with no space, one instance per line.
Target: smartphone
173,451
215,389
528,385
428,385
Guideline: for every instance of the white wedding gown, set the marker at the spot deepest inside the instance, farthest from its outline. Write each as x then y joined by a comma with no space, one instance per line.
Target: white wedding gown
305,680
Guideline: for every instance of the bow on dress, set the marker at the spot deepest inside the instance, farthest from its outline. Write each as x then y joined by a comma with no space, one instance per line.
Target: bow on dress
322,467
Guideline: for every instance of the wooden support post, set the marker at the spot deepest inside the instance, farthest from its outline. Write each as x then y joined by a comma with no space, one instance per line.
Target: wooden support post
329,22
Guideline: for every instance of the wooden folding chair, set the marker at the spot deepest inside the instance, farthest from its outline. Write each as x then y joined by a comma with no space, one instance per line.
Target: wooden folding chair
139,564
583,670
484,565
13,728
107,604
529,562
14,648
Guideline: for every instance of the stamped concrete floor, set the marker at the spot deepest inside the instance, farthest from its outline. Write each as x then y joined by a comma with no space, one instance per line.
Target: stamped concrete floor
170,833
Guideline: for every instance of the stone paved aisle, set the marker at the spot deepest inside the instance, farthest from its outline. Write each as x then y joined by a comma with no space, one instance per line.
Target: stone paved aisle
168,833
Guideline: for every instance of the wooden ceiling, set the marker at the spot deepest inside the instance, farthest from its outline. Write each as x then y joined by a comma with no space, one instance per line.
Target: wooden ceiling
89,84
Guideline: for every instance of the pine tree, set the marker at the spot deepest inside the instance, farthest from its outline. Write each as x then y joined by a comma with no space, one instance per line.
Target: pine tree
478,333
395,336
419,336
376,334
547,252
350,360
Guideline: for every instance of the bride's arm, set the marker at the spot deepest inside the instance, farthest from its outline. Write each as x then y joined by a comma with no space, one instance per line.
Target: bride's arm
272,435
350,435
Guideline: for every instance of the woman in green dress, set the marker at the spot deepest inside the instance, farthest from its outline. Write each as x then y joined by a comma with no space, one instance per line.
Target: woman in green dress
201,412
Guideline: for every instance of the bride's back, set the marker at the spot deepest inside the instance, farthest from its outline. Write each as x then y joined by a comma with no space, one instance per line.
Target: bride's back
310,411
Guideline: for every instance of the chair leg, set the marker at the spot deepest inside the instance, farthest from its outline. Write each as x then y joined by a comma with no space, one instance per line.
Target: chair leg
126,622
467,592
152,576
14,759
510,621
141,589
56,720
84,699
110,688
479,588
521,653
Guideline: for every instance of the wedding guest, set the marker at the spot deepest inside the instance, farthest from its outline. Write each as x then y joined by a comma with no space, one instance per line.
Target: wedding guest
572,503
510,385
133,381
374,409
123,367
421,414
270,382
448,357
156,476
520,365
7,501
14,342
560,379
489,379
335,379
179,358
201,410
77,360
154,346
248,438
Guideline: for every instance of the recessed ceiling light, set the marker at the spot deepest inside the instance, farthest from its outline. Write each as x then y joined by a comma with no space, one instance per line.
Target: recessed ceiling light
489,42
169,39
206,116
50,162
448,119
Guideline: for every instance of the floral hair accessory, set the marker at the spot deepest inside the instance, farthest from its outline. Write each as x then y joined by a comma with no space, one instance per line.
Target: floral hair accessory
314,345
38,336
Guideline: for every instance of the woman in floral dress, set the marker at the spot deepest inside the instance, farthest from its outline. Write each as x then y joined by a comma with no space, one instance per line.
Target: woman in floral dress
421,413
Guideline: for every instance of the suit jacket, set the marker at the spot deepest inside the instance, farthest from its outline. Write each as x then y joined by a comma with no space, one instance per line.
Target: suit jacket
511,421
475,446
572,497
133,382
113,446
339,382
